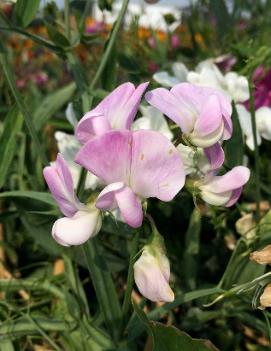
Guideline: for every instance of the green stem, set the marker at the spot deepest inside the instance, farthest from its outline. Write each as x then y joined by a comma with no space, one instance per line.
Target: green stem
104,287
130,278
110,44
67,18
256,150
28,120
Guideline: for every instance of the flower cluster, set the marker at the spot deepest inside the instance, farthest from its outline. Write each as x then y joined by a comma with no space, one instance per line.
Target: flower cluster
233,85
134,161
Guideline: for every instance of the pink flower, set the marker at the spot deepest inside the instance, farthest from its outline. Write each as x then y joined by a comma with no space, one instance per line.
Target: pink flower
135,166
81,221
223,190
116,111
202,113
152,272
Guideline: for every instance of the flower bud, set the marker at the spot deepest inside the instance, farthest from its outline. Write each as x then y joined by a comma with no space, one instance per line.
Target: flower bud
265,299
152,271
76,230
263,256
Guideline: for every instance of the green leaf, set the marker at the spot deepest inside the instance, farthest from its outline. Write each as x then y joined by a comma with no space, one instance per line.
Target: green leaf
234,148
6,345
192,244
8,143
51,104
168,338
57,37
26,11
35,195
109,75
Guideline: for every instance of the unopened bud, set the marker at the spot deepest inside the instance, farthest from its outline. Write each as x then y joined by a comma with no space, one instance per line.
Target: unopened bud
265,299
263,256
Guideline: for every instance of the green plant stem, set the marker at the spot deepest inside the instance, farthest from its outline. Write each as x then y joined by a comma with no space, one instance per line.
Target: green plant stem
28,120
67,18
256,150
110,44
104,287
130,277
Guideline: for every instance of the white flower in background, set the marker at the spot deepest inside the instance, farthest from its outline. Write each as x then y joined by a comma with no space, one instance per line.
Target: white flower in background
68,146
70,115
152,119
180,72
206,74
263,124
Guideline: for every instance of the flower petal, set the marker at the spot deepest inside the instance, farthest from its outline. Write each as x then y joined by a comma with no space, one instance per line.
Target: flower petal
118,195
157,168
108,156
232,180
168,104
215,155
77,229
60,183
210,117
116,111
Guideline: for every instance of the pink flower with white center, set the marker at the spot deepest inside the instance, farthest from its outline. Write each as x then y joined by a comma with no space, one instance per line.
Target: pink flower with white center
116,111
223,190
81,221
135,166
202,113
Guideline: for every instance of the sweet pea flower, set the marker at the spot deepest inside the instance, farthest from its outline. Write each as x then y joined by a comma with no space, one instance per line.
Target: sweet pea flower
152,271
116,111
80,222
202,113
195,161
152,119
135,166
223,190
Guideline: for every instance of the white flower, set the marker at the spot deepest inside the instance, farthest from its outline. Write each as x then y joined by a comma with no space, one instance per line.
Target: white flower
68,146
263,124
207,74
152,119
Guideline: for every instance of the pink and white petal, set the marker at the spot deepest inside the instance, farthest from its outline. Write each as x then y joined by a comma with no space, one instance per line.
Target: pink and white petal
210,117
234,197
130,207
215,155
93,123
106,199
108,156
77,229
60,183
232,180
150,279
169,105
118,195
123,114
157,169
